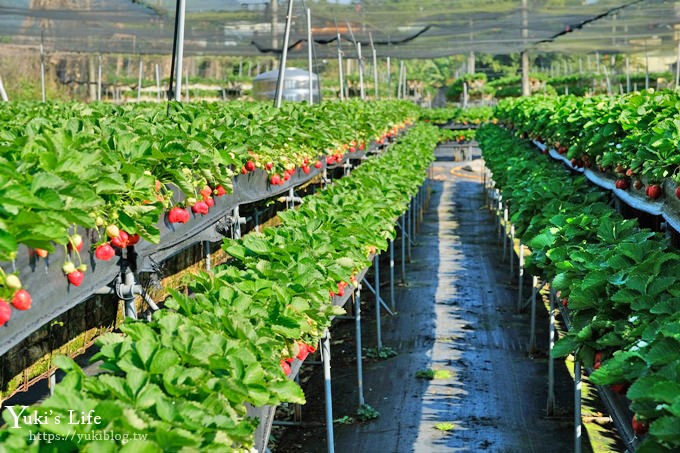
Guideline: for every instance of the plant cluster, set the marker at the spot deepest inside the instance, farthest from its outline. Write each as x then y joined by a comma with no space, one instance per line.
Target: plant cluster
618,281
117,170
183,380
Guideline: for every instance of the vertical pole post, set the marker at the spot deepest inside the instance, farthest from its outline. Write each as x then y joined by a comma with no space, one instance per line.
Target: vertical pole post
677,68
627,75
520,284
139,80
340,75
284,56
403,251
392,302
158,83
179,52
389,77
511,249
376,269
577,406
551,360
309,56
526,88
505,231
99,78
646,68
375,69
532,328
326,358
357,324
42,71
362,89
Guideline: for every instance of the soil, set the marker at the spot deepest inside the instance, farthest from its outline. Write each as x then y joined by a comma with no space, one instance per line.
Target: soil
456,313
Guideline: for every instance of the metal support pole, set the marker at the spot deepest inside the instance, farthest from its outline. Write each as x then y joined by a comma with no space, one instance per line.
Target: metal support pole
129,298
52,382
520,271
362,89
505,231
206,254
532,329
577,406
284,56
158,83
551,360
408,233
499,209
326,359
392,302
309,56
376,269
627,75
526,88
677,68
357,324
139,81
511,256
403,251
375,68
340,75
179,52
42,70
99,78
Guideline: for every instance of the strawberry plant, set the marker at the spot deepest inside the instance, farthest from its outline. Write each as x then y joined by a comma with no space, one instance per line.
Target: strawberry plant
620,281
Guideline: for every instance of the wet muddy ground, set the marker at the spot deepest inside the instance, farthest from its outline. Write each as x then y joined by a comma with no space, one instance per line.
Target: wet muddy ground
456,316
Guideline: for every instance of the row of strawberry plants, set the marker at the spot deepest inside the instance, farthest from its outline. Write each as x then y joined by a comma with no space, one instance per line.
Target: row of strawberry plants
117,170
183,379
619,282
457,115
633,138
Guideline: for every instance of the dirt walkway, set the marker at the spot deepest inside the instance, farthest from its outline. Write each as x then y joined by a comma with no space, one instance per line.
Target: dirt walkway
457,315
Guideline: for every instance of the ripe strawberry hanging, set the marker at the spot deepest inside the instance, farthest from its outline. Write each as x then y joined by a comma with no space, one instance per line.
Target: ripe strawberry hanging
75,242
104,252
200,207
76,277
22,300
5,312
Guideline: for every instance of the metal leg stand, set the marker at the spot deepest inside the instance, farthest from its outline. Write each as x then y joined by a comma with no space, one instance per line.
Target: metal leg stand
392,302
551,361
577,406
532,330
520,284
511,250
206,254
326,358
357,323
403,252
376,269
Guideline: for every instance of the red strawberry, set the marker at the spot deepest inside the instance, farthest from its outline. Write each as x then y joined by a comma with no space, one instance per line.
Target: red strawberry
285,367
275,179
306,169
22,300
565,302
362,146
185,216
653,191
177,215
330,160
622,184
677,192
220,191
42,253
352,149
121,241
75,242
133,239
76,277
5,312
304,351
639,427
104,252
286,176
630,172
318,164
200,208
250,165
637,184
243,170
210,202
269,165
